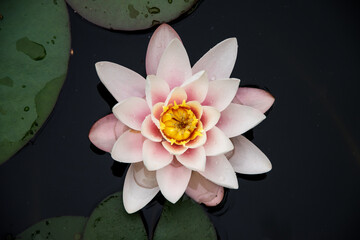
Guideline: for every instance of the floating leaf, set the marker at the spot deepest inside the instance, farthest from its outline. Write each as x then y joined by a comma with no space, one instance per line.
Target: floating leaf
110,221
59,228
184,220
34,50
130,14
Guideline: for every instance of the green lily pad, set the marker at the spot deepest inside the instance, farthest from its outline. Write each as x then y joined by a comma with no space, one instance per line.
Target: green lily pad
59,228
110,221
184,220
130,14
34,50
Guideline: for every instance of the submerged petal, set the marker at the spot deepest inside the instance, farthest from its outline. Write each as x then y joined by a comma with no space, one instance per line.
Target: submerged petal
143,177
255,98
219,61
132,112
173,181
136,197
128,148
219,171
204,191
120,81
157,45
247,158
237,119
174,66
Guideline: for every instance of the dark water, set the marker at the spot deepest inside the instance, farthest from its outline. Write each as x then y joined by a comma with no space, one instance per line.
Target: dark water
306,53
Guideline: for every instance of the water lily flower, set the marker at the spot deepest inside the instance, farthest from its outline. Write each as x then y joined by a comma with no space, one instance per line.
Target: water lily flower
180,128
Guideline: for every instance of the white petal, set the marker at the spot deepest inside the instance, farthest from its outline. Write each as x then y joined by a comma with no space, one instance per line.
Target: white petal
150,130
157,90
136,197
132,112
247,158
128,147
221,93
217,143
155,156
173,181
210,117
219,171
255,98
193,159
177,94
174,66
121,82
196,87
219,61
237,119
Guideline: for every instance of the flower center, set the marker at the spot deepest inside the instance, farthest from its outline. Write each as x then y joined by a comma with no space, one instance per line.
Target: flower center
179,124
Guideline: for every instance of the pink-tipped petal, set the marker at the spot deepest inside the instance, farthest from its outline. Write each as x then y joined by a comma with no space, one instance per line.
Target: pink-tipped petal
196,108
157,45
174,66
221,93
120,81
128,148
256,98
210,117
173,181
219,61
217,142
247,158
196,87
156,91
174,149
237,119
150,130
177,94
155,156
219,171
136,197
132,112
204,191
193,159
143,177
102,133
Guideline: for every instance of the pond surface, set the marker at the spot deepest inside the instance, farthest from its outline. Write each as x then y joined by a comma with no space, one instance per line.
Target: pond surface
304,52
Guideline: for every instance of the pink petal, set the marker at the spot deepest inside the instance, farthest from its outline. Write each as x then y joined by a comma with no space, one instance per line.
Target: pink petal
247,158
237,119
174,149
143,177
156,112
219,61
199,140
219,171
210,117
132,112
177,94
150,130
120,128
217,142
136,197
173,181
221,93
174,66
193,159
203,191
155,156
157,45
102,133
256,98
128,148
120,81
157,90
196,108
196,87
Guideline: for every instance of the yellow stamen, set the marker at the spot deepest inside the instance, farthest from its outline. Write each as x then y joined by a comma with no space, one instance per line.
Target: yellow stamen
179,124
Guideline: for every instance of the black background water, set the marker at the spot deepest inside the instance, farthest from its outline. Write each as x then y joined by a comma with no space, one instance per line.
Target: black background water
306,53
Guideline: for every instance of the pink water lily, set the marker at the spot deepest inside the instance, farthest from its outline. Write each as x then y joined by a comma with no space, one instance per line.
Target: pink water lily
180,128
